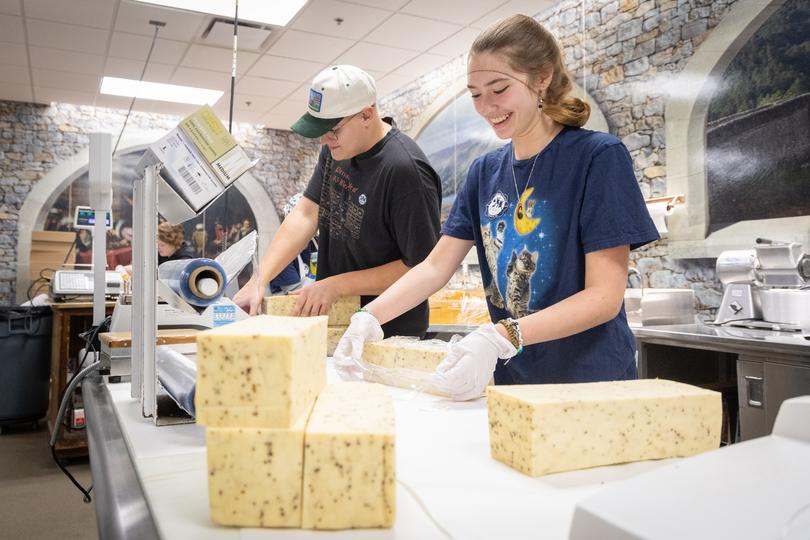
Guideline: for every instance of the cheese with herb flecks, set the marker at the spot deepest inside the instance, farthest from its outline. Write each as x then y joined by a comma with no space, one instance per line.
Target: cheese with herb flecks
263,371
547,428
406,352
340,313
254,475
333,335
349,462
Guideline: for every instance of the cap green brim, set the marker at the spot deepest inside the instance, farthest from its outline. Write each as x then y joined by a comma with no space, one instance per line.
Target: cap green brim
310,127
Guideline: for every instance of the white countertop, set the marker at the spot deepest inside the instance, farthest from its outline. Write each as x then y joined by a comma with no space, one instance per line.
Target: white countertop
448,486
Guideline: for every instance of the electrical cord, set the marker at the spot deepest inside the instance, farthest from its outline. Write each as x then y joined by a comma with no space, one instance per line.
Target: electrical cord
158,25
90,337
58,424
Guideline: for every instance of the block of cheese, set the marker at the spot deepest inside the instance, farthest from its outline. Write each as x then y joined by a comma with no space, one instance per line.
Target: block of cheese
546,428
349,464
263,371
339,314
406,352
254,475
333,335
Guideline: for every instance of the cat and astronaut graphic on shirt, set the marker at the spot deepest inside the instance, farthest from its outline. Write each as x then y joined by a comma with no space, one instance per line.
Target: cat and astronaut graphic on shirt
512,237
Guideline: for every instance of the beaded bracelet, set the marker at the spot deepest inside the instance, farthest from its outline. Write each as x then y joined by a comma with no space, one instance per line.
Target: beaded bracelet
515,335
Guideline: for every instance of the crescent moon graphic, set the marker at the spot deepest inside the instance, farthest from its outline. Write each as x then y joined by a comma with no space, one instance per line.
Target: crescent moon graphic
524,222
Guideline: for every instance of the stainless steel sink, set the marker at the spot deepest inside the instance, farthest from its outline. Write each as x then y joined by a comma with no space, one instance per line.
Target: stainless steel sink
651,307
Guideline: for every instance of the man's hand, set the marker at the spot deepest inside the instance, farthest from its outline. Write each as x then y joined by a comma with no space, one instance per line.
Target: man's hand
250,297
348,355
315,299
469,365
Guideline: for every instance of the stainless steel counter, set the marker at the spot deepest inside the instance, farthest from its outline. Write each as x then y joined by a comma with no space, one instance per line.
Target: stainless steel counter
727,339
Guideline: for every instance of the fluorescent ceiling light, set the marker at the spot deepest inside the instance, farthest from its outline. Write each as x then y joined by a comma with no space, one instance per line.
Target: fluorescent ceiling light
275,12
159,92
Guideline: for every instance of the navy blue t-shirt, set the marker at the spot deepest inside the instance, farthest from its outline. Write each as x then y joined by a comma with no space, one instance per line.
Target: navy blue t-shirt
582,197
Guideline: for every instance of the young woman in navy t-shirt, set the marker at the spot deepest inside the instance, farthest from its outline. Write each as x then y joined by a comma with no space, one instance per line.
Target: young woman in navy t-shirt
553,215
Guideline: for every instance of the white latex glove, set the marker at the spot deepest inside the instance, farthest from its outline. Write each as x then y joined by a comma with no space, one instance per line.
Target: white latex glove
348,356
470,362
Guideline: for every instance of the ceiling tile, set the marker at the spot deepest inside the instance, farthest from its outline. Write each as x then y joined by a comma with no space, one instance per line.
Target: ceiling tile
80,82
458,43
66,36
137,48
216,59
390,83
164,107
15,74
421,65
409,32
307,46
10,7
11,30
66,61
288,69
126,68
260,86
283,115
201,78
13,54
246,102
47,95
454,11
95,13
15,92
319,17
300,96
390,5
134,18
526,7
375,57
112,102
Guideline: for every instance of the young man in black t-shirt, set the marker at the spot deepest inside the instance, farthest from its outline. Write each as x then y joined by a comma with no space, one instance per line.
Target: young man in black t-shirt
373,198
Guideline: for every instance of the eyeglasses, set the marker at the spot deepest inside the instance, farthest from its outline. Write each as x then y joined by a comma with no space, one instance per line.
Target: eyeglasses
335,131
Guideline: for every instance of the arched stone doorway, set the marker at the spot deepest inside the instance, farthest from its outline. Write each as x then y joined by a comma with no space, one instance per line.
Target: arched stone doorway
37,206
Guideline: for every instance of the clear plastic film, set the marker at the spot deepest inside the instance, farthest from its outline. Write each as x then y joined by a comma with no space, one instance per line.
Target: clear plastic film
200,282
177,375
418,380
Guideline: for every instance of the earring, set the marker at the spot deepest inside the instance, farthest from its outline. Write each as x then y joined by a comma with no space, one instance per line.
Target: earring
539,102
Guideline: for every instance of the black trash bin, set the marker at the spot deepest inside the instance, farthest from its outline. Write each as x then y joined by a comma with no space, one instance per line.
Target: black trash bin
25,360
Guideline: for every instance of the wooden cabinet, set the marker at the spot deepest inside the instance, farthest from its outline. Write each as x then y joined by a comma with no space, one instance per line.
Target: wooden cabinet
69,320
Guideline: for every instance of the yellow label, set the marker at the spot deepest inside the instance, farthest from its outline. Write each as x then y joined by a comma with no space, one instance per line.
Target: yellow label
207,133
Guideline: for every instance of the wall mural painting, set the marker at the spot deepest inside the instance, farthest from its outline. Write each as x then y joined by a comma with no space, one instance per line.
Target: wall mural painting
757,138
452,140
227,221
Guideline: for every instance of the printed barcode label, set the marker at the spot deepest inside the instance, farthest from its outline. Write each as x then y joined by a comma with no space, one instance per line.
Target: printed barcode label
190,180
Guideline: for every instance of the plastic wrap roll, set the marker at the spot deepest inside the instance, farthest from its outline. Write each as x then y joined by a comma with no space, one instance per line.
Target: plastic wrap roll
178,376
200,282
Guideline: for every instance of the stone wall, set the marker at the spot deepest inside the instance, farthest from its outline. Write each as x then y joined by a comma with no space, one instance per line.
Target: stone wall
625,54
34,138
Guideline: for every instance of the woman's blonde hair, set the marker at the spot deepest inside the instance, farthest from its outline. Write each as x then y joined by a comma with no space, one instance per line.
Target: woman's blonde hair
171,234
531,49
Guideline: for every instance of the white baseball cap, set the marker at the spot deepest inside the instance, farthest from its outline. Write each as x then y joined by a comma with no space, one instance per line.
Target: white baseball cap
335,93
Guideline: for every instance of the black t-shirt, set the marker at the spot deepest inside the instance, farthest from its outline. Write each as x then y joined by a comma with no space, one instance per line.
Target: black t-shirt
183,252
377,207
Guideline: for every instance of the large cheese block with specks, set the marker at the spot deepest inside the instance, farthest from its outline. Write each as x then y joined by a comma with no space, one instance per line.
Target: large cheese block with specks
254,475
349,464
547,428
340,313
406,352
333,335
263,371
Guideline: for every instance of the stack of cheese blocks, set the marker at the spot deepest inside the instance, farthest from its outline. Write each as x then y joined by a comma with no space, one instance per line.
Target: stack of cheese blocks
548,428
339,315
284,448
